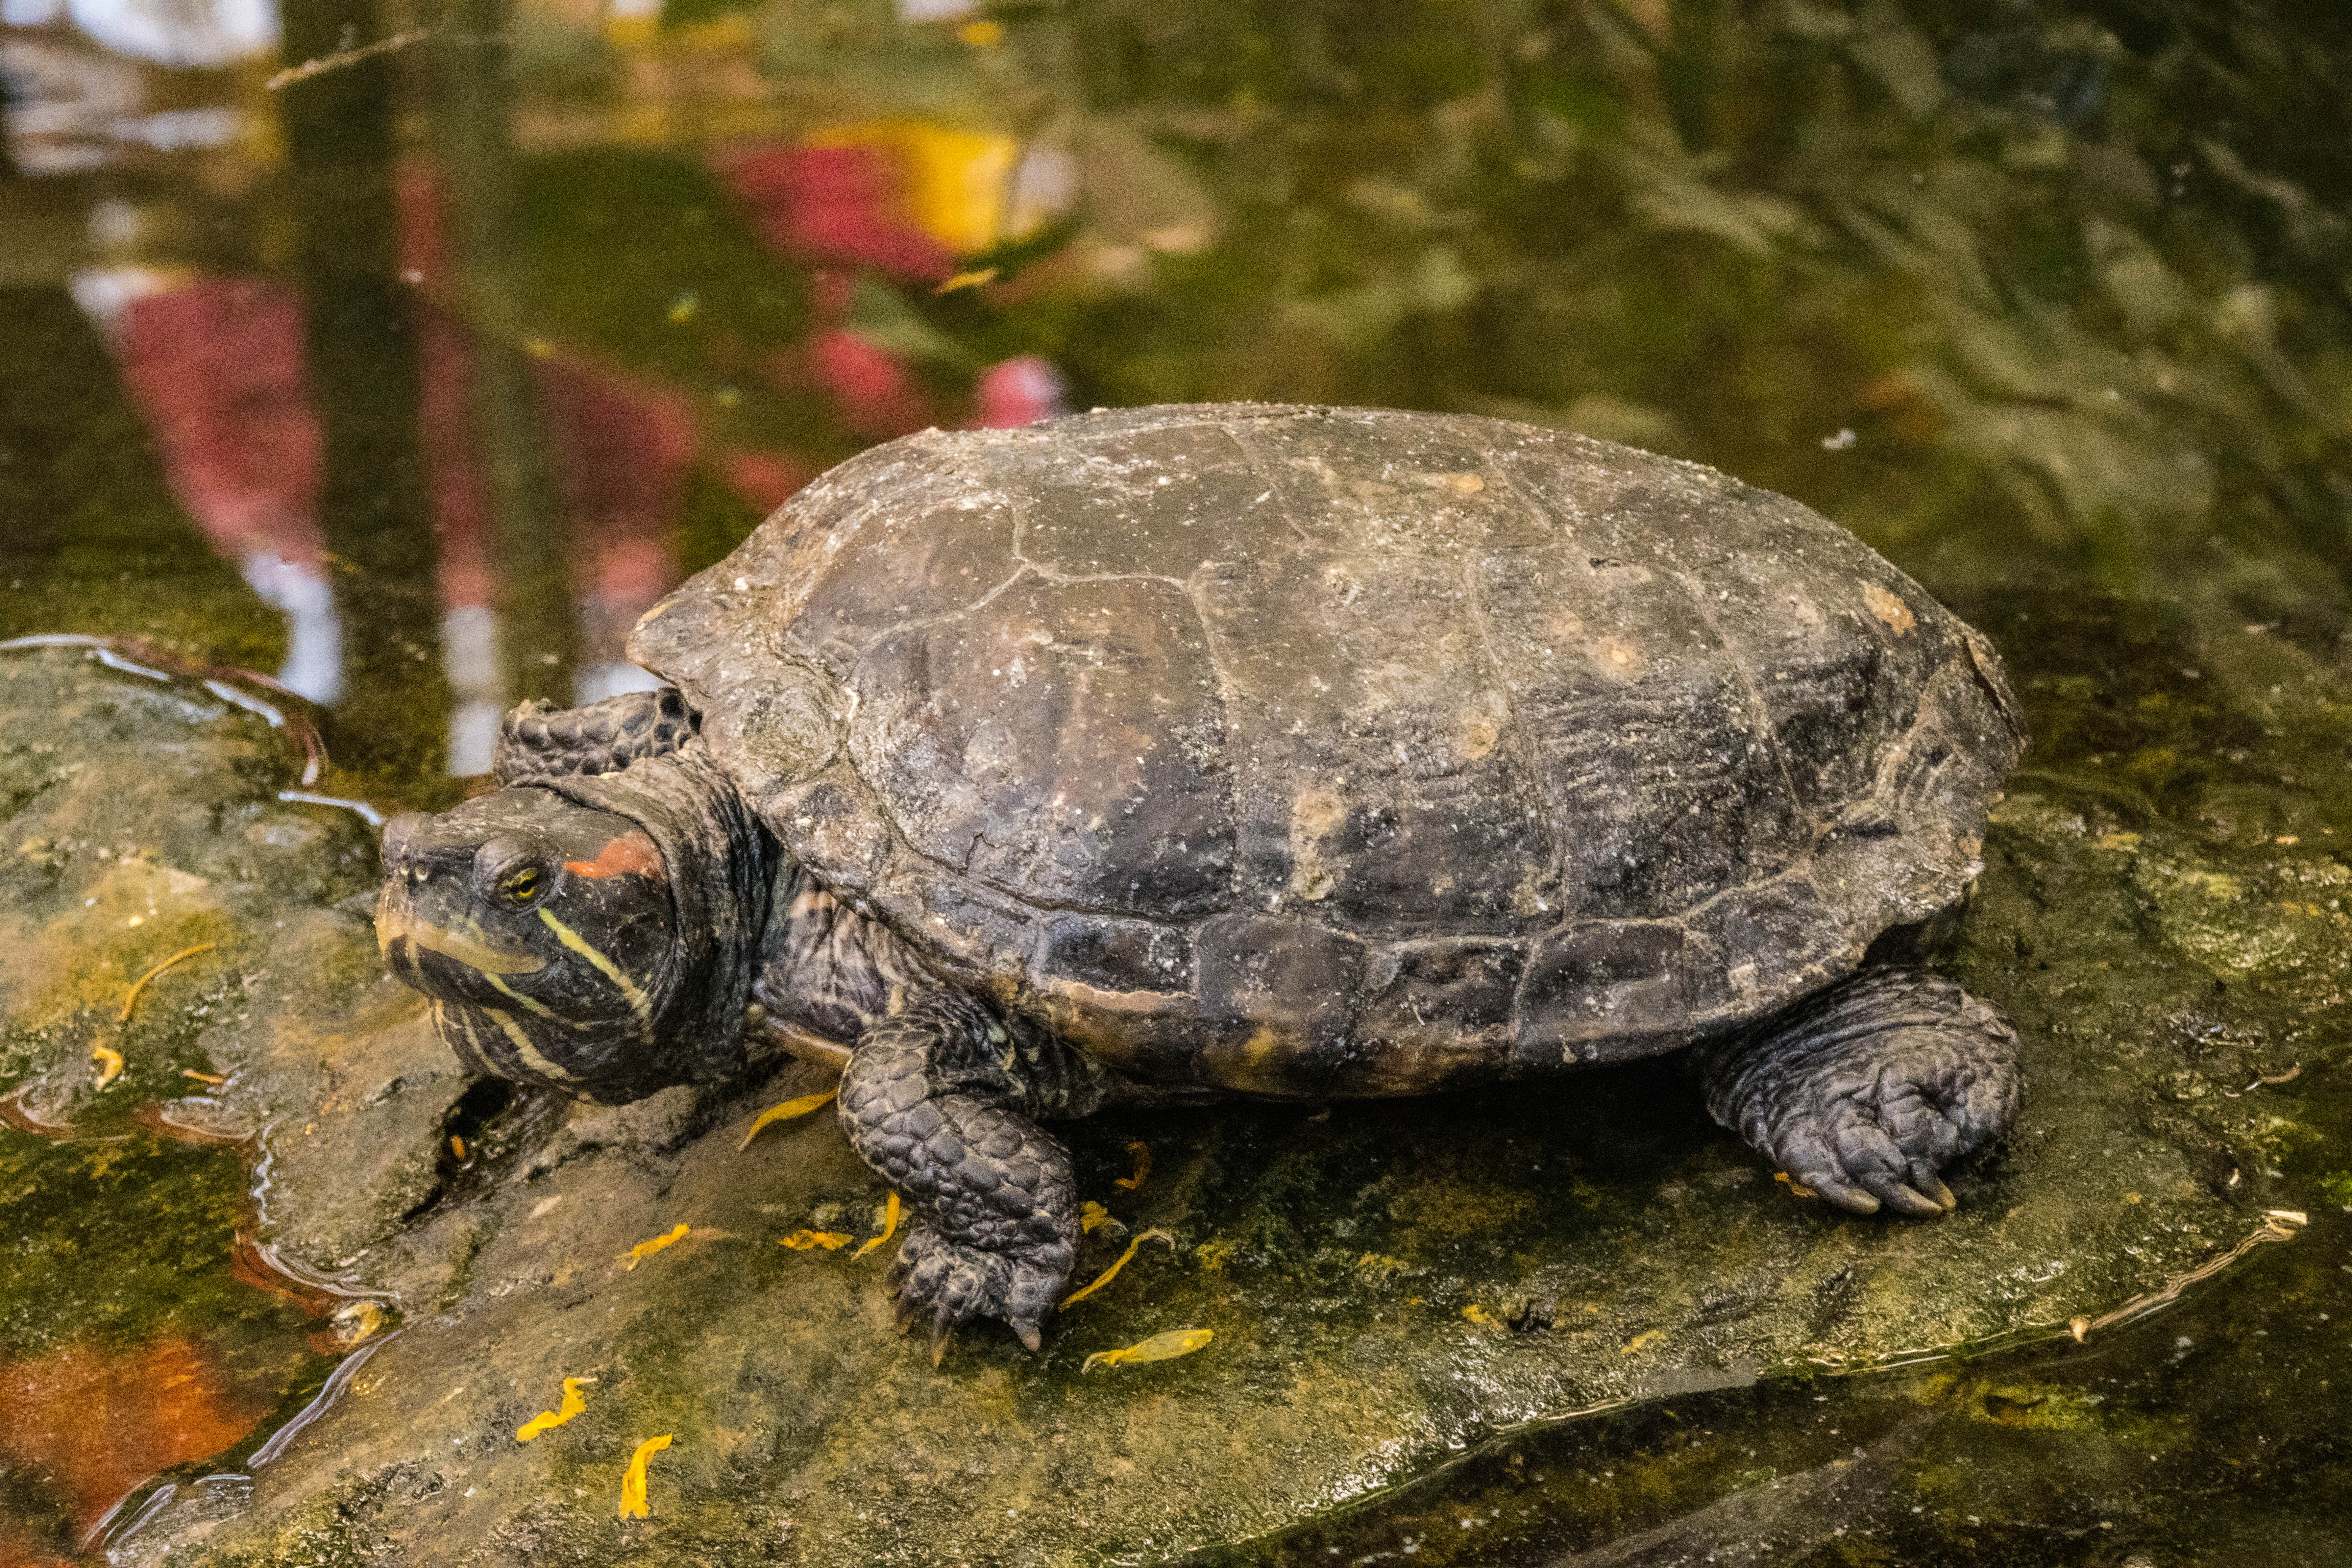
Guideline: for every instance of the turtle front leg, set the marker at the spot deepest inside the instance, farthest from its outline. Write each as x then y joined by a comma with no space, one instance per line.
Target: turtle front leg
1868,1091
938,1098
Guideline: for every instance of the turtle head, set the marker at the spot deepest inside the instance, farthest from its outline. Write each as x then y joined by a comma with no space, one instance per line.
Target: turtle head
544,929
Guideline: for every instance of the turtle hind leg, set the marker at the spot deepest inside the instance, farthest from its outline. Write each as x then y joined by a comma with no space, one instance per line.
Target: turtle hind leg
1869,1092
539,740
940,1102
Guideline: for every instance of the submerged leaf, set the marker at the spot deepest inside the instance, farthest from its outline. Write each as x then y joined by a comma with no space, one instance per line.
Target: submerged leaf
547,1420
1107,1275
785,1112
645,1249
890,1228
1159,1347
633,1483
801,1240
110,1064
1142,1152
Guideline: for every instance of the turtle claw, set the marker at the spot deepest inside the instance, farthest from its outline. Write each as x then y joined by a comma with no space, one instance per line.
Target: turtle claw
1904,1199
1867,1093
1850,1198
951,1283
1932,1186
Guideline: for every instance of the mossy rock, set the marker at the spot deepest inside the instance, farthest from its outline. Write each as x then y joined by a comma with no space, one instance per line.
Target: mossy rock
1386,1284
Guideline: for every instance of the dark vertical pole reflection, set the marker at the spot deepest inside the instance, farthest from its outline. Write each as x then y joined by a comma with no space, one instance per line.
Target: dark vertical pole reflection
539,633
374,507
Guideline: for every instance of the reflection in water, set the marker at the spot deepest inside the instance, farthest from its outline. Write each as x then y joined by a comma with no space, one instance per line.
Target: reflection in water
94,1423
361,448
314,627
1972,284
133,1339
534,632
360,345
184,33
460,358
218,365
95,539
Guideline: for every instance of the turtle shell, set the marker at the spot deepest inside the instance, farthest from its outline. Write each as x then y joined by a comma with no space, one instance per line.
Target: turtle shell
1342,751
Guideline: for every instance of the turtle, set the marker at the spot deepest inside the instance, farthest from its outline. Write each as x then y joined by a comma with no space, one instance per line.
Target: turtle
1147,756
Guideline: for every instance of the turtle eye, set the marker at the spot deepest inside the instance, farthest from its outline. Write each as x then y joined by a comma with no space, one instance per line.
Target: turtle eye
522,886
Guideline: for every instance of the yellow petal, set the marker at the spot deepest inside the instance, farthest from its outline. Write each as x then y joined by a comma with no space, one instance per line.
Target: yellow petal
1159,1347
785,1112
1107,1275
645,1249
1142,1152
890,1228
548,1419
1091,1215
110,1064
633,1483
801,1240
141,983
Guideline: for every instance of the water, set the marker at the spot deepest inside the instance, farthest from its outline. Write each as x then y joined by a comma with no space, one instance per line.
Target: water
415,380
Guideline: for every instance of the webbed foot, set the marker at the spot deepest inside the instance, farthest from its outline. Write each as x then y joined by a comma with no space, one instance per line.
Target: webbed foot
951,1283
1869,1092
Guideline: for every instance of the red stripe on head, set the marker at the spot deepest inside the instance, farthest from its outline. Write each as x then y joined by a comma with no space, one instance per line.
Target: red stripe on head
630,855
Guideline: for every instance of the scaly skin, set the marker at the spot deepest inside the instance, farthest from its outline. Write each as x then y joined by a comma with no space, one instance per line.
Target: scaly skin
538,739
938,1098
1871,1089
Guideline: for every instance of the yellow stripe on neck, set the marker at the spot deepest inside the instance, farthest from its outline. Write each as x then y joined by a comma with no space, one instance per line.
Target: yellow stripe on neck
531,1004
532,1055
611,972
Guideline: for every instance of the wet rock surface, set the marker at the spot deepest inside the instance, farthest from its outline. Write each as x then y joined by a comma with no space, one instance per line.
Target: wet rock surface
1386,1283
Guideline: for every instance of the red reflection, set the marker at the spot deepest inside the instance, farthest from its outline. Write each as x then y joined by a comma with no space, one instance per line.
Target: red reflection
92,1424
623,450
766,479
843,205
869,385
1016,392
217,366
